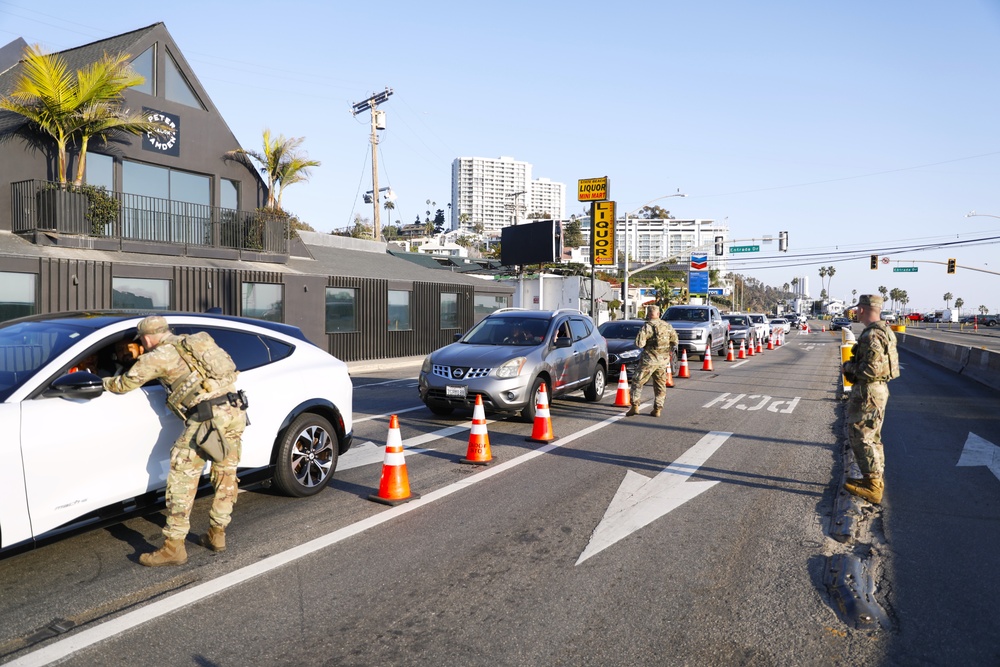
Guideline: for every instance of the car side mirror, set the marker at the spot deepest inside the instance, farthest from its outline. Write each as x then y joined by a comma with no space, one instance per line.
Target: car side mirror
79,385
563,342
458,337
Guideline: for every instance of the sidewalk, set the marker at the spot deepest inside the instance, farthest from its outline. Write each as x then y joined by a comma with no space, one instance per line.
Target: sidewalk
374,365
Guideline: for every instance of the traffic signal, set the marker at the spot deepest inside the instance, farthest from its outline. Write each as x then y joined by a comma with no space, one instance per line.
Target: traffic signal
951,265
874,262
718,244
782,241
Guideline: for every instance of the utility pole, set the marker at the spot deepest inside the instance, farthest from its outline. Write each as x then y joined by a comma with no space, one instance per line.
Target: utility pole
514,206
378,123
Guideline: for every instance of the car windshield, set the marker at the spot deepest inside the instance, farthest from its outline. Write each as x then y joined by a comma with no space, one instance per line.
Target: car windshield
507,331
27,346
686,315
736,319
623,330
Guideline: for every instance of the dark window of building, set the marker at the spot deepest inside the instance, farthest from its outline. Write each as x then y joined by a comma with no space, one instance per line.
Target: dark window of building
18,295
449,310
145,65
229,194
487,303
399,310
101,171
176,87
263,301
162,204
341,310
248,350
144,293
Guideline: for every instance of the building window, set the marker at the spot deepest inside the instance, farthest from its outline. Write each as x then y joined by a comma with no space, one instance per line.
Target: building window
487,303
144,293
145,65
101,171
229,195
341,309
176,87
17,295
449,310
184,216
399,310
263,301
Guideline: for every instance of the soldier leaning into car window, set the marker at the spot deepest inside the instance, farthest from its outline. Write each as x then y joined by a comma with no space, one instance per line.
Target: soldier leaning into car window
873,364
656,339
213,425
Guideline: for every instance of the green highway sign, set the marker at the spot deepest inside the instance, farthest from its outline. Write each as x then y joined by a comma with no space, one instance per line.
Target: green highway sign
744,248
904,269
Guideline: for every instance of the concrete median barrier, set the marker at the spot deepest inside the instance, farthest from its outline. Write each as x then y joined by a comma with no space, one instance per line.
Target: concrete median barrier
979,364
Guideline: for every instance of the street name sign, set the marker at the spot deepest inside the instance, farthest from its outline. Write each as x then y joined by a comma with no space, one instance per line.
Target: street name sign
905,269
744,248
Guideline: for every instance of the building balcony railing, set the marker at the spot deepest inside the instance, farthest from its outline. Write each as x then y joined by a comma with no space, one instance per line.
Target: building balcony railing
182,227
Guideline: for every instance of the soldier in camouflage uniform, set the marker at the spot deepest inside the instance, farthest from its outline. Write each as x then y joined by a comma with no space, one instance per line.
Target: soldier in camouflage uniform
187,458
874,363
656,338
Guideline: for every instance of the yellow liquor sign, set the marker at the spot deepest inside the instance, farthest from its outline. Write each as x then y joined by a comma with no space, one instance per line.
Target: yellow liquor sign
602,238
592,189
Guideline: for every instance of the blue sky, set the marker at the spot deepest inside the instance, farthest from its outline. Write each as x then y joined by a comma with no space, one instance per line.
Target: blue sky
858,127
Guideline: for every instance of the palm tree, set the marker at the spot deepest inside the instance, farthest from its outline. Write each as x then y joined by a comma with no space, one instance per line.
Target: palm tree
281,163
983,310
822,284
75,106
884,291
830,270
948,296
959,302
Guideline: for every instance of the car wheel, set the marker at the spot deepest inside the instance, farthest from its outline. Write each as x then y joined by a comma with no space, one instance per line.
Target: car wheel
595,390
675,364
440,409
528,411
307,456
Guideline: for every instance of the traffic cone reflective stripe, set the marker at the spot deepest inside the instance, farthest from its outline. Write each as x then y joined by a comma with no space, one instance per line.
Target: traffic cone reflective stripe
770,341
729,354
706,364
760,347
623,398
743,350
542,428
683,371
670,375
394,485
479,439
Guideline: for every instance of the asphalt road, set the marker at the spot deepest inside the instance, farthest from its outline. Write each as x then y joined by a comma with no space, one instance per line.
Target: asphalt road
700,538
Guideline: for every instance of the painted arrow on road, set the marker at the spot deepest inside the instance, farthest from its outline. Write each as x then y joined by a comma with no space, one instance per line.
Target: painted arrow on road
980,452
641,500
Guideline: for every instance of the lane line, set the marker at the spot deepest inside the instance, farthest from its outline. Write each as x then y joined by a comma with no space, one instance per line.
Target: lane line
63,648
386,415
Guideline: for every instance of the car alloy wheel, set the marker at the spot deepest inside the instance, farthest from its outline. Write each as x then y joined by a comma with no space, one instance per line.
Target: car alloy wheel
595,390
307,456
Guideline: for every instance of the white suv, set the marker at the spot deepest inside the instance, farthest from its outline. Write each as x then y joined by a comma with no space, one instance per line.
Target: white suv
762,325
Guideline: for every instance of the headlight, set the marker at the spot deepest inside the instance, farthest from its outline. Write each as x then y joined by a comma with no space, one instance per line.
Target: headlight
512,368
697,333
426,366
630,354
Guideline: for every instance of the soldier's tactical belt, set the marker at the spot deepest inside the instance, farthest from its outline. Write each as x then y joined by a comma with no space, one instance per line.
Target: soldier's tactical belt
202,412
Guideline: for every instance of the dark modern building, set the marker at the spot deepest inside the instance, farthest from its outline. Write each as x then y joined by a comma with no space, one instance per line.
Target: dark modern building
164,222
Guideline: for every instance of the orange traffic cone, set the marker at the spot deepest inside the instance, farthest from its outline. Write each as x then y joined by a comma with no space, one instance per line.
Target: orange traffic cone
683,371
729,354
706,364
479,440
394,486
623,398
743,350
770,341
760,347
778,342
542,429
670,375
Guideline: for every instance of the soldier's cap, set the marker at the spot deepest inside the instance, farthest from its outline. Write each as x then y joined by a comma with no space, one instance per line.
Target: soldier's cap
873,301
154,324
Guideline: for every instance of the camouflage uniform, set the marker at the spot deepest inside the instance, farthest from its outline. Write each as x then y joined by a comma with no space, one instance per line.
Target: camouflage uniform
874,363
187,460
656,338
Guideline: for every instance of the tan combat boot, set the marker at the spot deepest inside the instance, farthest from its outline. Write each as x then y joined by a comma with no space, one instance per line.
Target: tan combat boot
214,539
656,412
171,553
870,488
632,411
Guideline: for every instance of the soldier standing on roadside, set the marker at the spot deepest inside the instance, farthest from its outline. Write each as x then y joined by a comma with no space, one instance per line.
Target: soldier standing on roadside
872,365
656,338
202,394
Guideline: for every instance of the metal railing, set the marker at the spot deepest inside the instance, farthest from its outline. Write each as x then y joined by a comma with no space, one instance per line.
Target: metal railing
96,212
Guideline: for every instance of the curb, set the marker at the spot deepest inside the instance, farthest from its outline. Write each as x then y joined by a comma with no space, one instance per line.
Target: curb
374,365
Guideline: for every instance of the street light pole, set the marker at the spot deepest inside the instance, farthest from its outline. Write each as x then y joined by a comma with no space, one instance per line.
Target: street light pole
625,257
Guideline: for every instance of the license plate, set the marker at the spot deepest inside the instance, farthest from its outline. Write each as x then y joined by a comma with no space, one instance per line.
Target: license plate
453,391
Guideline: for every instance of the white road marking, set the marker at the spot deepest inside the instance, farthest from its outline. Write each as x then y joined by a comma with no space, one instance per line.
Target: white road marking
63,648
368,452
979,451
376,384
387,414
641,500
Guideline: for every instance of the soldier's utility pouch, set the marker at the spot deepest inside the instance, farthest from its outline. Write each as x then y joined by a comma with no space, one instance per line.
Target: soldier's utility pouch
211,442
202,412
